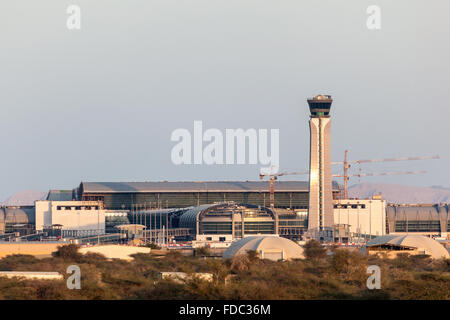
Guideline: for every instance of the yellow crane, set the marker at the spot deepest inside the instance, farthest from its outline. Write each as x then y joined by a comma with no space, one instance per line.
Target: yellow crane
272,178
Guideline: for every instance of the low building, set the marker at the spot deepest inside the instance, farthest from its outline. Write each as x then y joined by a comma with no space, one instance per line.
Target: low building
17,219
33,275
73,218
359,219
34,248
268,247
421,219
392,245
353,219
115,251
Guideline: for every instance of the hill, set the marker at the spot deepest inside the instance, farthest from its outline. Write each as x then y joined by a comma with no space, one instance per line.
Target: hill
400,193
24,198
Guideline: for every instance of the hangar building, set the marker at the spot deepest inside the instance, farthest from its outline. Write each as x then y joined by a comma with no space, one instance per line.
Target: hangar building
132,195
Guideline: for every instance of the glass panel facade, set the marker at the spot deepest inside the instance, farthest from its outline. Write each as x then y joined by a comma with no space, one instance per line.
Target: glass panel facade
417,226
128,201
215,228
112,221
259,227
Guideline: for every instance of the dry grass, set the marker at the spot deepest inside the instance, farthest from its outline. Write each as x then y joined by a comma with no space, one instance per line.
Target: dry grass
341,275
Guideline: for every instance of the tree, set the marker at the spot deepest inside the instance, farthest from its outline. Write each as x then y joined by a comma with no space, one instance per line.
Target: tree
202,252
314,251
253,256
152,245
68,252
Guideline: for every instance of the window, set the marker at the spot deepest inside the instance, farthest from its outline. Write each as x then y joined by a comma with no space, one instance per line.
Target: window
215,227
68,208
58,208
208,238
363,206
77,208
418,226
222,239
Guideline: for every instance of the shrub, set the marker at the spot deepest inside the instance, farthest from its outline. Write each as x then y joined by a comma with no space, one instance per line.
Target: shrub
253,256
202,252
12,262
351,265
314,251
240,262
152,245
68,252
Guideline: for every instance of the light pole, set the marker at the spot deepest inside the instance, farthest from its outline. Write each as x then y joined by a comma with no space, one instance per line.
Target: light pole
98,222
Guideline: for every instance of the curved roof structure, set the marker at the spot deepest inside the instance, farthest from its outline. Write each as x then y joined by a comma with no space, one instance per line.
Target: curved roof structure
189,218
427,245
269,247
17,215
419,213
410,214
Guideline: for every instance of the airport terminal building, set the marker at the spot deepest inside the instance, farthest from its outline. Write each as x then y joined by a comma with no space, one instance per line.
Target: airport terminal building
139,195
229,209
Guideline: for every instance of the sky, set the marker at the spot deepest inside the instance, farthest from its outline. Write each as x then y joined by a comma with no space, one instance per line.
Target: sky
100,103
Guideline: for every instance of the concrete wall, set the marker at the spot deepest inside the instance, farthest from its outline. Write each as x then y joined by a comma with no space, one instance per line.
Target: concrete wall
34,249
369,220
32,275
181,276
43,214
115,251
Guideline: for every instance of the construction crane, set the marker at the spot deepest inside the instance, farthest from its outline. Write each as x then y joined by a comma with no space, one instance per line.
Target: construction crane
272,178
347,164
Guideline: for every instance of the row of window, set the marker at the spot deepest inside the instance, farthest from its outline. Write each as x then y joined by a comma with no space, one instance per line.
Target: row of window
222,239
417,226
296,223
348,206
77,208
226,228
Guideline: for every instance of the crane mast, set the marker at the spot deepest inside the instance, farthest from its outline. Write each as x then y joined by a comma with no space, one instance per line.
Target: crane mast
346,176
272,178
347,164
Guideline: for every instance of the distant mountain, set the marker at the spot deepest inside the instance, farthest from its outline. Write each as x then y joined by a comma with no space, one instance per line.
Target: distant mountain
401,194
25,198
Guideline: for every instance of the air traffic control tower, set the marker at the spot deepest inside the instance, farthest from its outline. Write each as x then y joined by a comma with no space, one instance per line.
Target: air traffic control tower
320,206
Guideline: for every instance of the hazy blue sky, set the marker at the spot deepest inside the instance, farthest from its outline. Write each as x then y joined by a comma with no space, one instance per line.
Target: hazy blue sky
100,103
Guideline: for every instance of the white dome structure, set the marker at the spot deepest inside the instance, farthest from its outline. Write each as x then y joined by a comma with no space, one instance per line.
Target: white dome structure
413,244
268,247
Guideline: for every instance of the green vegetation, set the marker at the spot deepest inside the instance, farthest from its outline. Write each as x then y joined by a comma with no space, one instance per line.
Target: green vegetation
339,275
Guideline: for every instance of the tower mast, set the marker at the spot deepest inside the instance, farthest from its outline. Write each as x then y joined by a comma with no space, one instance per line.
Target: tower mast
320,203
